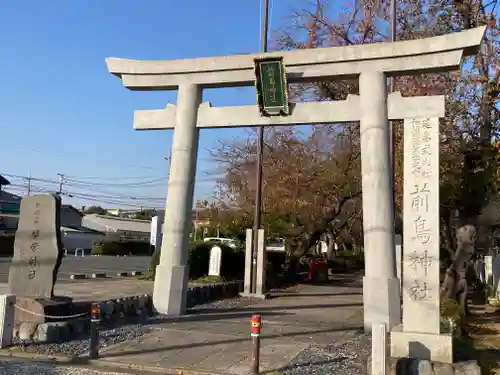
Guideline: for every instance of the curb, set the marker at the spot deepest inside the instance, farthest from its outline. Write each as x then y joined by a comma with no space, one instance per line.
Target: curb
103,275
78,276
104,364
100,363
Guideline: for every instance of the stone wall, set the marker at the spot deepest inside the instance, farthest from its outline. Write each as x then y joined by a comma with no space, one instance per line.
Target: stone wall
115,311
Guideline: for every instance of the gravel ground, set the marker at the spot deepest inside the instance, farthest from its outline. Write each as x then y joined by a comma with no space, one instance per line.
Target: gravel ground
345,358
114,335
230,303
80,346
31,368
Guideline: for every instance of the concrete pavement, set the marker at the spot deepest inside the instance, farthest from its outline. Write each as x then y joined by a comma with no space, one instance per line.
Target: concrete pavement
99,289
217,341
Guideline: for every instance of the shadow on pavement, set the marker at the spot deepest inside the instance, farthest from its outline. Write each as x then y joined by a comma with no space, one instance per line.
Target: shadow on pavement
207,315
294,294
303,364
255,310
125,353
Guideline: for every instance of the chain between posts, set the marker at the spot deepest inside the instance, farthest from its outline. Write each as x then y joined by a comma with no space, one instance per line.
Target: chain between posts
95,320
50,316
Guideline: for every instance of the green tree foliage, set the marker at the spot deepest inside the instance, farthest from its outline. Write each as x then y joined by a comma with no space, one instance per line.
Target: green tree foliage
145,214
95,210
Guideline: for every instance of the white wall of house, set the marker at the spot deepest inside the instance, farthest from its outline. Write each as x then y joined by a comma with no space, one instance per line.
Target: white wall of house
119,227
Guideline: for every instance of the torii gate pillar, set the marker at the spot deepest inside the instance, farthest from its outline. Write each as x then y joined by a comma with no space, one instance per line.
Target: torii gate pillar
172,273
381,287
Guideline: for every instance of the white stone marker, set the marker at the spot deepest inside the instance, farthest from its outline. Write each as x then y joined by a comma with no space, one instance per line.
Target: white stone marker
421,226
248,262
488,269
480,270
260,285
379,349
156,230
215,261
496,274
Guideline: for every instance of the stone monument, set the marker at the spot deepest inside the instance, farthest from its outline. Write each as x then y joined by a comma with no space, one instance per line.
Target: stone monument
38,254
373,108
420,336
215,261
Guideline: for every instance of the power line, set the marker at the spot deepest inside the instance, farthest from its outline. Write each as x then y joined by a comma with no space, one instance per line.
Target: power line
129,184
102,178
115,201
83,194
91,191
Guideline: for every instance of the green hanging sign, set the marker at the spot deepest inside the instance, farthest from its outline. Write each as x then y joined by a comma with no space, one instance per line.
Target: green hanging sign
272,87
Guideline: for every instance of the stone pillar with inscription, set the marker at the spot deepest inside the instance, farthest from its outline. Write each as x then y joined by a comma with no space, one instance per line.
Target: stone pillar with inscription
420,336
37,257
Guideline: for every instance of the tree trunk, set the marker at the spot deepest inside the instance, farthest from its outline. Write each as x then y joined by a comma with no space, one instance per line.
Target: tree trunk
455,285
291,270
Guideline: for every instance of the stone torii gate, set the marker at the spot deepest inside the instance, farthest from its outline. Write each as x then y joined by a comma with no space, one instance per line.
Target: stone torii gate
372,64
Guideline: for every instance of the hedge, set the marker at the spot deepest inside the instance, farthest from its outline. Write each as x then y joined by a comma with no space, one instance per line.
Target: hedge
6,246
347,260
122,248
232,262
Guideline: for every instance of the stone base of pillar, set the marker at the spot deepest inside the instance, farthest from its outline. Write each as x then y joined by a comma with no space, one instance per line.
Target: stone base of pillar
170,289
254,295
381,302
423,346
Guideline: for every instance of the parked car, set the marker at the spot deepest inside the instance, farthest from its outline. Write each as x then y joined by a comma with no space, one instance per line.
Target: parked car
275,244
226,241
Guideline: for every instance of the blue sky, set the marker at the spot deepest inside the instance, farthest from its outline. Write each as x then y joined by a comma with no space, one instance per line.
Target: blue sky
62,112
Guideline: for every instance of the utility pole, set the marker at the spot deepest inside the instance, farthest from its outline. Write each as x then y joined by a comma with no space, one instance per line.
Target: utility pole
260,152
29,185
392,135
61,182
169,159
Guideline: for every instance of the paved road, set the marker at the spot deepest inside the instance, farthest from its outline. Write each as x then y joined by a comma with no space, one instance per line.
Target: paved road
88,265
